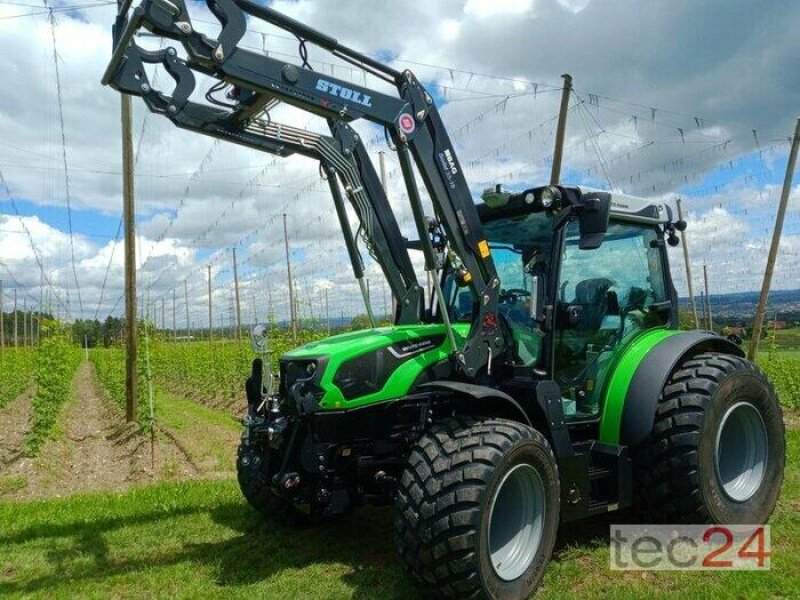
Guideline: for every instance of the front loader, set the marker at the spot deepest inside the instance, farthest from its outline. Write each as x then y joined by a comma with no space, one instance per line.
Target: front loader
544,381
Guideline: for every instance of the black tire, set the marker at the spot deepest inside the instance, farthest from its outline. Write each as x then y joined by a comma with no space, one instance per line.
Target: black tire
443,504
254,471
678,479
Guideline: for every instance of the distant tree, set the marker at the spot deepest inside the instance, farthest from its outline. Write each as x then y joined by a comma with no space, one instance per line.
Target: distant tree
685,319
360,322
86,331
111,330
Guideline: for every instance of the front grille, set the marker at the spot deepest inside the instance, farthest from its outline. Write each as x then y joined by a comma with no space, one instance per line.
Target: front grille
309,393
292,371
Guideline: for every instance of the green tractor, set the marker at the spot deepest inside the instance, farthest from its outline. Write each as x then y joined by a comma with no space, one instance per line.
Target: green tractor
543,380
599,403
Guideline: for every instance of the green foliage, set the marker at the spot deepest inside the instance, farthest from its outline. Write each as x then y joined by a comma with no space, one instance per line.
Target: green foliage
16,372
56,361
685,319
96,333
217,370
783,369
202,370
109,366
360,322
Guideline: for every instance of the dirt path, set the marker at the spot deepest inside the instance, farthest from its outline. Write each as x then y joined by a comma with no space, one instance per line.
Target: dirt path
94,450
14,423
208,437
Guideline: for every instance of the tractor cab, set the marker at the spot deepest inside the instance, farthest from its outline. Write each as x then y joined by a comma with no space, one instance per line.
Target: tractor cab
573,296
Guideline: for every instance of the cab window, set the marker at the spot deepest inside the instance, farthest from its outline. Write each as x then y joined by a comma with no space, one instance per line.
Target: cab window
606,297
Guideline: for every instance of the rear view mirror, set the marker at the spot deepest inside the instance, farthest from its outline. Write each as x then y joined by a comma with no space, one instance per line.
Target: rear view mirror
593,216
537,299
259,338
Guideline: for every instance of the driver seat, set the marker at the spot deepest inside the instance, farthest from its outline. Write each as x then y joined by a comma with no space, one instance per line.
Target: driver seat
592,295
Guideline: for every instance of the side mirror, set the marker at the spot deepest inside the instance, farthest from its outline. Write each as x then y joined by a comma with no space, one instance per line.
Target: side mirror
259,339
593,215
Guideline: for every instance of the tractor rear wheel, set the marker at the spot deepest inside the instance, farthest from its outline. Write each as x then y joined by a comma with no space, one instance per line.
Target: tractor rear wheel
717,450
477,509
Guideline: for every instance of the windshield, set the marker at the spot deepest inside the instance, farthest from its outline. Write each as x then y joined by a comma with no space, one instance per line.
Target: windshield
521,247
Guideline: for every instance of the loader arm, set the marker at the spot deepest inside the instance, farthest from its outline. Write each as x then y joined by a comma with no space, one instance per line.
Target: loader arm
412,120
340,156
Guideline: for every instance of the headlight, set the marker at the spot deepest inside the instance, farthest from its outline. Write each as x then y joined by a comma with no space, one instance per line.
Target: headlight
550,196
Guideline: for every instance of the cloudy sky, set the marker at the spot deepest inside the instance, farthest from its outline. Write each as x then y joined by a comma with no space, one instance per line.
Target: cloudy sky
676,98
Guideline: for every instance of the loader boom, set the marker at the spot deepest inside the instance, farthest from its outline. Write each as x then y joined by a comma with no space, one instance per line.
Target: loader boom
412,120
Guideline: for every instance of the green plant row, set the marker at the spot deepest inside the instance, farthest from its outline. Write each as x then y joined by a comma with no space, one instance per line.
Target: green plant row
216,371
109,366
16,372
201,370
56,361
784,372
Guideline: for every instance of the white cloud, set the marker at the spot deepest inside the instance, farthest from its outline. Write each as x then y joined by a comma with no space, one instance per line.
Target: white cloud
491,8
450,30
575,6
675,59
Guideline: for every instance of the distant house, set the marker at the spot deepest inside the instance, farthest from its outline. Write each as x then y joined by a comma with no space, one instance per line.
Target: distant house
733,330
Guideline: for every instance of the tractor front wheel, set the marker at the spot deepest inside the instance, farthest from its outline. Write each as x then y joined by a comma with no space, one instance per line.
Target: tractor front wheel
717,451
477,509
254,470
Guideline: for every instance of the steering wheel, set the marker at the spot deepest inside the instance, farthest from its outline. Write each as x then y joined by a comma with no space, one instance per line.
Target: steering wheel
510,296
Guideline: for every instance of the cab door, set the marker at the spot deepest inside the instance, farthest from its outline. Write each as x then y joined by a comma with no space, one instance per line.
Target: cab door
605,298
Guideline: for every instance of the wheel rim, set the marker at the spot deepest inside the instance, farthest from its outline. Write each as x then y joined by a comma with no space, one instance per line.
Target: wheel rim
741,451
516,522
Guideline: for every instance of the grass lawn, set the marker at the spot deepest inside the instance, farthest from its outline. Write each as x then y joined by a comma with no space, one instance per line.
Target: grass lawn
199,539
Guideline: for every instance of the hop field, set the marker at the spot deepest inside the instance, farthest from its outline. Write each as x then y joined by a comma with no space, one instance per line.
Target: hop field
783,369
210,372
56,361
16,372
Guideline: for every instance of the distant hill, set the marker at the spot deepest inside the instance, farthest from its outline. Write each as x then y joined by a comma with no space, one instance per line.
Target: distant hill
741,307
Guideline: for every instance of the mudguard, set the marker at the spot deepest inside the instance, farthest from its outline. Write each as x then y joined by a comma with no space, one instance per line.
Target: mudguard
638,381
485,396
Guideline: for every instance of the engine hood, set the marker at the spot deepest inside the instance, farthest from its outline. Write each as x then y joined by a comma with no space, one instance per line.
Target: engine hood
374,365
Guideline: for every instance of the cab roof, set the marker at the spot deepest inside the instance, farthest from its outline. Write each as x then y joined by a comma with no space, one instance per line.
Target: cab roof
623,207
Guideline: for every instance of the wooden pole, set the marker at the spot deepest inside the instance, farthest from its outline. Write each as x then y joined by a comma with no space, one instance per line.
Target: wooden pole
775,245
186,301
685,244
292,308
128,217
174,315
24,321
369,297
16,326
2,318
703,304
558,153
238,306
297,315
210,313
709,319
163,316
385,183
269,308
